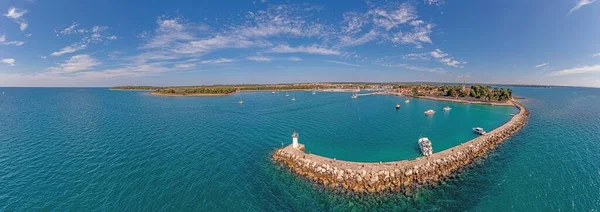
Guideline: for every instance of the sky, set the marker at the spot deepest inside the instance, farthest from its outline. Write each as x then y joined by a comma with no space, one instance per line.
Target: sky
120,42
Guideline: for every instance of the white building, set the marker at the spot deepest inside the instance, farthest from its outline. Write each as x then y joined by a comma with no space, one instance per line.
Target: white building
295,139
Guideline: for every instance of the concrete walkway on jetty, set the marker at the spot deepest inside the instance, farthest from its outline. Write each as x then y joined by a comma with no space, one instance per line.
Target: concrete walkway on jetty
399,176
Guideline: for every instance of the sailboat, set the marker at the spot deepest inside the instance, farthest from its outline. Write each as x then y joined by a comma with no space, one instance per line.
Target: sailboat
286,94
293,98
314,92
241,101
354,96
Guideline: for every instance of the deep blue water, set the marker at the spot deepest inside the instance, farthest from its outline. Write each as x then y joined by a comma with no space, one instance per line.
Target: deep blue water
84,149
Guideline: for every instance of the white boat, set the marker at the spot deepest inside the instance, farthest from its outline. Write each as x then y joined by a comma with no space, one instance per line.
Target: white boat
429,112
397,105
354,96
425,146
273,92
241,101
479,131
286,94
407,101
447,108
293,98
314,93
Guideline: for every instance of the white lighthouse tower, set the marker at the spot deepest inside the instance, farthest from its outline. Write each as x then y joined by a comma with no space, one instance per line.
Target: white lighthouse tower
295,139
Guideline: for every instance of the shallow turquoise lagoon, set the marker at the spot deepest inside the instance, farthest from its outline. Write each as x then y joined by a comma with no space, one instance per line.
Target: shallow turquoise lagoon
91,149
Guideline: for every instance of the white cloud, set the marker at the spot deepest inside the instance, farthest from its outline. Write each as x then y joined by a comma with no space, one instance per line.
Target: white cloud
16,14
314,49
259,58
596,55
389,18
5,42
580,4
541,65
71,30
217,61
76,63
9,61
342,63
385,62
294,59
434,2
94,35
444,58
70,49
393,22
185,65
578,70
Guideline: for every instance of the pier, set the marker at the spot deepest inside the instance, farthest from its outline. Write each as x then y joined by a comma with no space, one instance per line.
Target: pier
398,176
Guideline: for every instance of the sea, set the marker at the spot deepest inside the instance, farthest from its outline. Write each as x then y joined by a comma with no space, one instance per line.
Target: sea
95,149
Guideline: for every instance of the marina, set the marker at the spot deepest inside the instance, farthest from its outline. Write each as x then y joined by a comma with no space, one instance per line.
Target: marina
398,176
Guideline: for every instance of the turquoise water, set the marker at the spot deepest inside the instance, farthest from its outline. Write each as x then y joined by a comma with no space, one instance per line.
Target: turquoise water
73,149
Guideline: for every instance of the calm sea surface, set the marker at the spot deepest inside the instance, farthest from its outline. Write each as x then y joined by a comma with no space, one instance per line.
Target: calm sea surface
91,149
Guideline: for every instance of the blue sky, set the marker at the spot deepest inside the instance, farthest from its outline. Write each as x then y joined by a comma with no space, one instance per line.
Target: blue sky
118,42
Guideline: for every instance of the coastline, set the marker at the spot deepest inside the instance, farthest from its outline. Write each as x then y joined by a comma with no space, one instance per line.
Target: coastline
398,176
507,103
190,95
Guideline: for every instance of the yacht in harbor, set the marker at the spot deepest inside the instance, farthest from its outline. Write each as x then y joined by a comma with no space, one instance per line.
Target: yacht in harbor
425,146
407,101
447,108
479,131
354,96
429,112
241,101
286,94
397,106
293,98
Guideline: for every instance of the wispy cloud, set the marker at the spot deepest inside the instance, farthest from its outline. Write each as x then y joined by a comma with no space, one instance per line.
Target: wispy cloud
578,70
9,61
5,42
17,16
76,63
314,49
217,61
294,59
580,4
391,22
434,2
444,58
70,49
541,65
259,58
342,63
95,34
596,55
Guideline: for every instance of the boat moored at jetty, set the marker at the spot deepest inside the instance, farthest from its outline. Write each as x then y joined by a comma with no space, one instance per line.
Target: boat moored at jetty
425,146
479,131
429,112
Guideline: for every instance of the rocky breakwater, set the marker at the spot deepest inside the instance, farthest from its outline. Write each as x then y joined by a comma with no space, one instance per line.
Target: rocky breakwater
399,176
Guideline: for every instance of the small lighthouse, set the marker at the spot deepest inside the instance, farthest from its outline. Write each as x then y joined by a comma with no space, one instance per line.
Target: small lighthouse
295,139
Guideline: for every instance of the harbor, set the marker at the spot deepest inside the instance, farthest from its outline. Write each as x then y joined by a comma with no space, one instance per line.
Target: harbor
396,176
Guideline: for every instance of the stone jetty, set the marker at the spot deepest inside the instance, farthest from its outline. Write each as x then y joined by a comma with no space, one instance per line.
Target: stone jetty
399,176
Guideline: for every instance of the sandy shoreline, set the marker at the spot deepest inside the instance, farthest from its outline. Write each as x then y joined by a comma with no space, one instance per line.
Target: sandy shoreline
397,176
